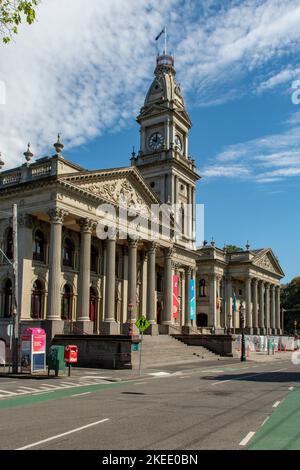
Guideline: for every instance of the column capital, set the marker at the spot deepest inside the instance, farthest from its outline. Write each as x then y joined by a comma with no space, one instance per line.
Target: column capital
152,247
272,287
133,242
26,220
169,252
255,281
188,270
86,225
57,215
267,285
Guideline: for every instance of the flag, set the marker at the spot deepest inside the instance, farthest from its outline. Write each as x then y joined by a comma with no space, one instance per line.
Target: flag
234,303
162,32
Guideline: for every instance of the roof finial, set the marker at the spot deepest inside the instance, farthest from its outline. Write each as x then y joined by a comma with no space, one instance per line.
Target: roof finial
1,162
213,243
58,146
247,245
28,154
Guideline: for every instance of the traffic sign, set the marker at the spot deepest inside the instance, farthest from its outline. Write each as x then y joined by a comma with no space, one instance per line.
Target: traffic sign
142,323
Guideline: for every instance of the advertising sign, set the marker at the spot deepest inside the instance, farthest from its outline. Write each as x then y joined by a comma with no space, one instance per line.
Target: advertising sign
33,350
192,299
175,296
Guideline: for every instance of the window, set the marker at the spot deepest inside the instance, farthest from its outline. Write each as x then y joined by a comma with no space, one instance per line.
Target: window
202,288
37,300
68,258
94,259
9,244
8,299
67,300
39,246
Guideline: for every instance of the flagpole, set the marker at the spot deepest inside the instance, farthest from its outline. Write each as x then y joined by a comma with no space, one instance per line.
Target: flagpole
165,40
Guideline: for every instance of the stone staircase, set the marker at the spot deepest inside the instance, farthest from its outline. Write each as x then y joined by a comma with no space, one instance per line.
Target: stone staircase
163,349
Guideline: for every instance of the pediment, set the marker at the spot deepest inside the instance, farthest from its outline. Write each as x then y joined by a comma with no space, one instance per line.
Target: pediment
268,262
152,110
121,188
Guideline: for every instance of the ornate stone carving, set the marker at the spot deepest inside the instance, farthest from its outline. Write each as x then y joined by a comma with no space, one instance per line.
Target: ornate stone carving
57,215
170,252
121,192
26,220
152,247
86,225
265,263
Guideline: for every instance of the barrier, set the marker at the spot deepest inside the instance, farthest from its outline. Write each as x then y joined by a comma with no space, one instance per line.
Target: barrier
257,343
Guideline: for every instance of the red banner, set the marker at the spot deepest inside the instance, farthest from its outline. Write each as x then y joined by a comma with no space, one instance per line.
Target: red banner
175,296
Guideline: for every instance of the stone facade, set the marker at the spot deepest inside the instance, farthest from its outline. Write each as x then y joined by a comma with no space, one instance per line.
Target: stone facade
252,277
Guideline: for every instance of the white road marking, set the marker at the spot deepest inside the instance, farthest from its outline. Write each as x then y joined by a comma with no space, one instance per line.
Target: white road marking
291,388
264,422
140,383
278,370
276,404
94,377
6,393
29,389
247,438
160,374
80,394
63,434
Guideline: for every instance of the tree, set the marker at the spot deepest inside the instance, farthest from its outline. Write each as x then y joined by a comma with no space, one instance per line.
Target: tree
290,302
233,248
11,14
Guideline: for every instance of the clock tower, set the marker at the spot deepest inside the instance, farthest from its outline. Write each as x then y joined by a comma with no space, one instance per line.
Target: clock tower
163,158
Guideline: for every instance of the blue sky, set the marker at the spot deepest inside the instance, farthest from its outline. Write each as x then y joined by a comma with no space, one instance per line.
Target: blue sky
86,76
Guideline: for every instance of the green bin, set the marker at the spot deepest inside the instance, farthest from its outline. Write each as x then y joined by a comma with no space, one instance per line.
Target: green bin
56,360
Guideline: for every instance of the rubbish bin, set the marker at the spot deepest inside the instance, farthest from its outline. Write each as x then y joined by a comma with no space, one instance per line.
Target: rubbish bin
56,360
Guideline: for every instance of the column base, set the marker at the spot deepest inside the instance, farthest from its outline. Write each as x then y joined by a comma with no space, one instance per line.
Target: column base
186,330
248,331
168,329
256,331
52,328
82,327
152,330
110,328
125,329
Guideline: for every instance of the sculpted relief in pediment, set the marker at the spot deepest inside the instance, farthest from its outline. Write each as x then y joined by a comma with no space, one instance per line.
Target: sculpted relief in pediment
119,192
266,263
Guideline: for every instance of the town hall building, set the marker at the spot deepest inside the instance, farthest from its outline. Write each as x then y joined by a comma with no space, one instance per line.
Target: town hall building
73,281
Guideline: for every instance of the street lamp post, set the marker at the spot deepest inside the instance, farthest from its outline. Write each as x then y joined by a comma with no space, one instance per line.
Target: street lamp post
295,328
243,345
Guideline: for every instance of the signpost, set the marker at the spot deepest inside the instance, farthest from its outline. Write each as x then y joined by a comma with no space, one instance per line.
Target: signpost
10,334
142,324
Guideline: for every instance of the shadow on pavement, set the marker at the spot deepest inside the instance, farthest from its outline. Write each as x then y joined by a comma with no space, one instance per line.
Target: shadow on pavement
280,377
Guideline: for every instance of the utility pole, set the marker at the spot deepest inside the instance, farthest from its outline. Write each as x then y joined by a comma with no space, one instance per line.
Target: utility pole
15,341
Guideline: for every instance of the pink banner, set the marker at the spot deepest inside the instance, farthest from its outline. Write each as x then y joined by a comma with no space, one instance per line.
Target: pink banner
175,296
39,343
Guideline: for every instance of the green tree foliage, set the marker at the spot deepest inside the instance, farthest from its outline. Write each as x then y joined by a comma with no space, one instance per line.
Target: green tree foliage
12,12
290,297
233,248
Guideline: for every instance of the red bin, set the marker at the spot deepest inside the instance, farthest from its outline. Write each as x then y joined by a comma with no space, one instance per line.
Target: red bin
71,353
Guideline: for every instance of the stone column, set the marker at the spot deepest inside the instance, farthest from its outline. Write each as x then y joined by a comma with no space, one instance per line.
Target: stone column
186,329
151,288
25,236
261,307
248,305
267,308
110,325
229,320
168,291
255,307
279,327
272,309
54,324
83,323
213,301
132,277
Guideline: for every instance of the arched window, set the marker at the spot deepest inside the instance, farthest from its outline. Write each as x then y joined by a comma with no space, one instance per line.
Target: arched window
8,299
93,300
202,287
68,258
9,244
67,300
94,259
37,301
39,246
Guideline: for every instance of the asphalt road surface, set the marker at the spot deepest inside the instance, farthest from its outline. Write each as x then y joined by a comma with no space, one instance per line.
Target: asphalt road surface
222,406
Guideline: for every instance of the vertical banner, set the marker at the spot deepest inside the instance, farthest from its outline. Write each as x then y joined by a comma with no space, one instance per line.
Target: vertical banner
192,299
175,296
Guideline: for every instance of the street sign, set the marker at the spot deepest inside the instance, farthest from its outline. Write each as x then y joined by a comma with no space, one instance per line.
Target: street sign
142,323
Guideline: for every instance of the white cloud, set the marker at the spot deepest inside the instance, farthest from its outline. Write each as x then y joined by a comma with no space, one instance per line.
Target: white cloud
84,67
265,160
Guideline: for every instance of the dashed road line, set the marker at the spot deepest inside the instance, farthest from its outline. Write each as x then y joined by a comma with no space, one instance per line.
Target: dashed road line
80,394
276,404
35,444
264,422
291,388
246,439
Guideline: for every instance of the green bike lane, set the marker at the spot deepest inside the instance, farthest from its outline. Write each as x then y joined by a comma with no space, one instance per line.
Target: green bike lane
281,431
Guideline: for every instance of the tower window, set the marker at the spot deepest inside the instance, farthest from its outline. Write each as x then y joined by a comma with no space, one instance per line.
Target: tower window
152,184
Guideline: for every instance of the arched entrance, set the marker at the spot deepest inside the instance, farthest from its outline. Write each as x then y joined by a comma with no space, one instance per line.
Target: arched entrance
202,320
37,300
67,301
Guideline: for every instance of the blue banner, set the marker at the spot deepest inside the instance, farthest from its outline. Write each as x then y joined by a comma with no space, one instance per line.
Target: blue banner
192,299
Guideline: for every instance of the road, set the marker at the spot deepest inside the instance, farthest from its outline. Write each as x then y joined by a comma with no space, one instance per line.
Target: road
222,406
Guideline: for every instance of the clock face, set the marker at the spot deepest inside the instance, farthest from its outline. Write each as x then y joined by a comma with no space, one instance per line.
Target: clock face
156,141
178,143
